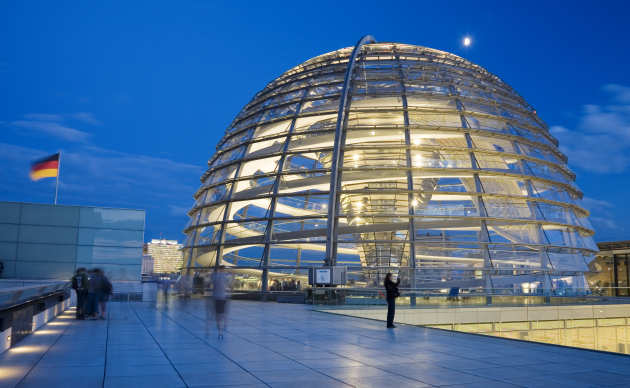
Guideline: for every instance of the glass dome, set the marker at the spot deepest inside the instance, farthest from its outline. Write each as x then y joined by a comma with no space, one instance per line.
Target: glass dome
400,159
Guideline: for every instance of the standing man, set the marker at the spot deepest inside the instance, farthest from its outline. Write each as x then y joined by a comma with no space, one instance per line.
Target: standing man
80,285
392,293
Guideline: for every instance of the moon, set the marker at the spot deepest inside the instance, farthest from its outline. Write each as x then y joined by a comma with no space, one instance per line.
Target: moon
467,41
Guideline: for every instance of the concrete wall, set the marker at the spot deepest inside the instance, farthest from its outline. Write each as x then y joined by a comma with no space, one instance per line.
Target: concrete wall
39,241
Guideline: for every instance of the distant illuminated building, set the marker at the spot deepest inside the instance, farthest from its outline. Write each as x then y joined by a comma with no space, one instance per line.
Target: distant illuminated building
166,254
610,271
147,263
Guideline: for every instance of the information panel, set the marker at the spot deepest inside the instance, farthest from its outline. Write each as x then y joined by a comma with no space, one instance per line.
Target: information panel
322,276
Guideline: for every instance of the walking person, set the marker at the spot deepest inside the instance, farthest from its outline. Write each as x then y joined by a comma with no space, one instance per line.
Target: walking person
220,294
391,289
80,286
104,291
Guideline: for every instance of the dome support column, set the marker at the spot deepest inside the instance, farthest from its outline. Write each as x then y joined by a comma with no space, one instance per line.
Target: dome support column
484,236
337,156
410,196
274,198
545,263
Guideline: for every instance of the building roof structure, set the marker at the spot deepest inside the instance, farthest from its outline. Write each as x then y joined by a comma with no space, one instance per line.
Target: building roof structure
389,157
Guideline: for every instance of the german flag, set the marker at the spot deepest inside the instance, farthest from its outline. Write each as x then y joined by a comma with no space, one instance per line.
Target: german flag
45,168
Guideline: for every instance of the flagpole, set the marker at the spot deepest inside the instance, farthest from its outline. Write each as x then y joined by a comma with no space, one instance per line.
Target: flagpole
58,173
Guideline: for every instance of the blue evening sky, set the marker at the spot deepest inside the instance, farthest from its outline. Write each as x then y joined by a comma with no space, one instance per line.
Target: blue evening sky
137,94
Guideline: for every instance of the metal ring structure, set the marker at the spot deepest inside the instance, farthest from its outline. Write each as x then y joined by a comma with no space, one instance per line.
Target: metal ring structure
390,157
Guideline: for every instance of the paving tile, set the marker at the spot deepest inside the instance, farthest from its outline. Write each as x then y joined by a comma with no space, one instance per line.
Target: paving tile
385,381
219,379
120,369
153,381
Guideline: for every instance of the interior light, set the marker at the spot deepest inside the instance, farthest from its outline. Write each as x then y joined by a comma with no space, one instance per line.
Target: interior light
373,133
416,141
414,202
355,156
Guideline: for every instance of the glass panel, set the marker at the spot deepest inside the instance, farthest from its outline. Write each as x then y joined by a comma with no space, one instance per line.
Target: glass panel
567,260
311,229
509,208
8,232
266,147
316,123
503,185
367,119
260,166
362,101
514,257
229,156
249,255
303,205
310,141
539,153
320,105
221,175
551,192
489,124
420,136
50,215
273,129
237,139
504,232
545,171
498,162
46,252
47,270
109,237
375,136
451,208
48,234
252,209
10,212
493,144
325,90
211,214
420,101
279,112
109,255
440,159
435,119
8,250
253,187
304,183
217,194
208,235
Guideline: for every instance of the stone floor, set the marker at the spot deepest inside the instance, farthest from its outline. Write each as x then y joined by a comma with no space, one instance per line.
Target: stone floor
281,345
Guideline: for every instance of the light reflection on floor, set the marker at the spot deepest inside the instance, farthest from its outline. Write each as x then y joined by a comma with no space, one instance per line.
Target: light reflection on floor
610,334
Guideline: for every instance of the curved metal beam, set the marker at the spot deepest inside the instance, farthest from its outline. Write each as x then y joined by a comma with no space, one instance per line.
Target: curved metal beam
335,186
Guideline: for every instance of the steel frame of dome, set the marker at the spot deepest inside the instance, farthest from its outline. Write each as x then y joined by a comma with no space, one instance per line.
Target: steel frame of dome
437,170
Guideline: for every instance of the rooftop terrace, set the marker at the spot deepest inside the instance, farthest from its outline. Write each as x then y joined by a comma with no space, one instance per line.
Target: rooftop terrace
281,345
